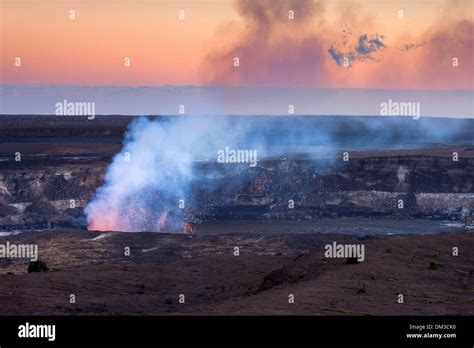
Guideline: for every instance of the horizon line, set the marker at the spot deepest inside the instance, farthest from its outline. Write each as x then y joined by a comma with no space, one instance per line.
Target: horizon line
234,86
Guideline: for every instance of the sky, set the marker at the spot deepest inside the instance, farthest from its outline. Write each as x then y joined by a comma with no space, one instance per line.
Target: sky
334,44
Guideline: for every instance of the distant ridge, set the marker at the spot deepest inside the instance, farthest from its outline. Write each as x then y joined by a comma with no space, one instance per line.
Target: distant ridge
225,100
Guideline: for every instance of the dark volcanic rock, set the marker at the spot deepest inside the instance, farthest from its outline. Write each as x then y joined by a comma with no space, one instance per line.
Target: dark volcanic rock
37,266
429,187
277,277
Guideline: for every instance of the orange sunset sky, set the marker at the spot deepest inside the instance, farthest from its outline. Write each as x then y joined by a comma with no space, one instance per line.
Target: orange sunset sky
380,49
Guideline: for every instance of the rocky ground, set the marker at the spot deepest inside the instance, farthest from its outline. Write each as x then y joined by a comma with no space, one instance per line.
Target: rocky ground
269,267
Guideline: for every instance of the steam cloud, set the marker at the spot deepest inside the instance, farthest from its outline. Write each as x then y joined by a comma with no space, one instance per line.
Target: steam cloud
152,173
272,50
156,167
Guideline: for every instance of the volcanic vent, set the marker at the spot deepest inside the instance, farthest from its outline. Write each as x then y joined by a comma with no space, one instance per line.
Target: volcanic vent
166,176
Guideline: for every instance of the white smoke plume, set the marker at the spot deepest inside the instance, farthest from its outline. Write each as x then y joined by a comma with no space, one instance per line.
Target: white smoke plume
148,185
150,176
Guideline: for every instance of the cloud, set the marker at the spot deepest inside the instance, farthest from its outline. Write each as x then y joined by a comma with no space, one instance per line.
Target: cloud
443,60
276,45
411,46
365,48
310,49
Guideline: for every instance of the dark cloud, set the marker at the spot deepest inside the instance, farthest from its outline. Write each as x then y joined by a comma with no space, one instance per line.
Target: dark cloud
411,46
339,56
366,46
